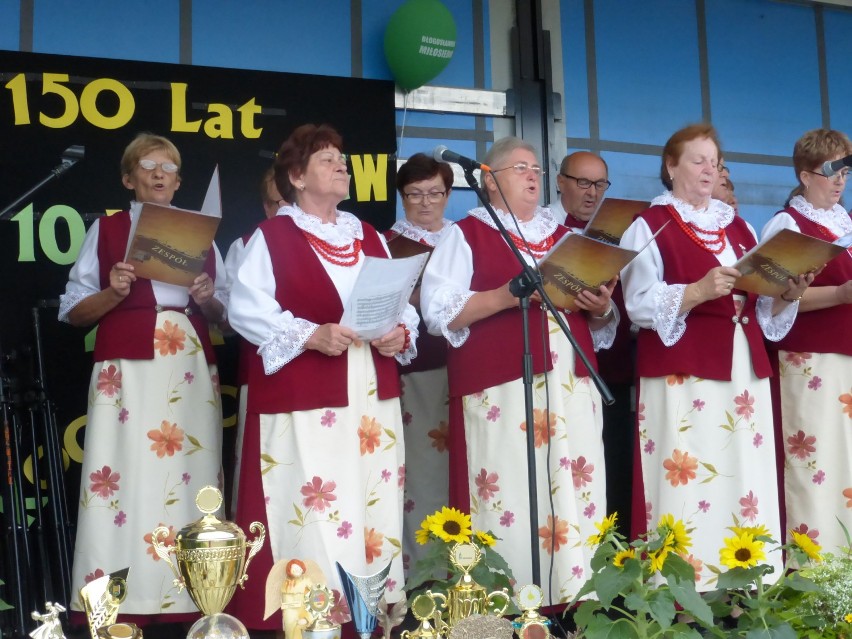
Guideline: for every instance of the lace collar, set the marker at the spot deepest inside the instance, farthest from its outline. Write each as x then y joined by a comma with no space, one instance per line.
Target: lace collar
541,226
834,219
342,232
716,216
413,232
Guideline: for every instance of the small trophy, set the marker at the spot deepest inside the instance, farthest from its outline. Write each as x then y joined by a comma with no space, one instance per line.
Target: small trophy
467,597
319,600
101,599
363,595
51,627
531,624
120,631
425,610
211,556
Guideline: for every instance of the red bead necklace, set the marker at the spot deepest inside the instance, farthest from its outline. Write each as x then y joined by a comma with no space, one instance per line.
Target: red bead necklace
825,232
715,242
339,255
538,248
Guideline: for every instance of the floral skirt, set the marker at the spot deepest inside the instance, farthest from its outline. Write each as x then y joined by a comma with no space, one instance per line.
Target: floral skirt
569,471
708,457
333,481
816,424
153,439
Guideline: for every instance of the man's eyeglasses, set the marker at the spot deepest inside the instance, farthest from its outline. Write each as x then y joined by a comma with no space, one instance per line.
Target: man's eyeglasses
521,168
585,183
150,165
417,198
840,174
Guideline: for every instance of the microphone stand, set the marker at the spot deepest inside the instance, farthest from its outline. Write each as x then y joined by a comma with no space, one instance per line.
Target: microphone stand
522,286
70,157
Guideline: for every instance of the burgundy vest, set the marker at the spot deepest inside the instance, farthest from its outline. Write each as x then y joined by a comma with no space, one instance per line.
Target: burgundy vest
828,330
493,352
127,331
706,348
302,286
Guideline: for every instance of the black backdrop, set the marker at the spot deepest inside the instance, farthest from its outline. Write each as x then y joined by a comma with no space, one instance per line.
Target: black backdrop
48,103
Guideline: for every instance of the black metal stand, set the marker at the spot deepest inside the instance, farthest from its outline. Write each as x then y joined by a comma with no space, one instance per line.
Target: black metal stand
522,286
70,157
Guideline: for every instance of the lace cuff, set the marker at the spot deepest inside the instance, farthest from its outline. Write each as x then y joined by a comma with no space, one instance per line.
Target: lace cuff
408,355
453,303
603,337
670,326
68,301
285,346
775,327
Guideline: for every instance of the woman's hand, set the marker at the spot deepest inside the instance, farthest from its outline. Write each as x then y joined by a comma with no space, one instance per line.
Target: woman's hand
121,275
717,282
796,287
331,339
597,304
202,289
390,343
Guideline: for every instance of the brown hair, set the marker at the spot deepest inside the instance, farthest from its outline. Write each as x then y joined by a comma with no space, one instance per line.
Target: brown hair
422,167
674,147
143,144
294,154
814,148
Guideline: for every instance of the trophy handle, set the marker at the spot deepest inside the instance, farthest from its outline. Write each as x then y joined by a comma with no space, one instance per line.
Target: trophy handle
489,601
165,552
254,547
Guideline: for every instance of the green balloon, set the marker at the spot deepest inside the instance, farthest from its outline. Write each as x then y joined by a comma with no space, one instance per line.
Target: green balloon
419,41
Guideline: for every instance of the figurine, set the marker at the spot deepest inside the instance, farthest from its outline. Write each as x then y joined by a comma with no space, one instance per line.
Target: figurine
285,589
50,627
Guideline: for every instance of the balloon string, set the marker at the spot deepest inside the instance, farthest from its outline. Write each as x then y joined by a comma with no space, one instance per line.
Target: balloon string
404,115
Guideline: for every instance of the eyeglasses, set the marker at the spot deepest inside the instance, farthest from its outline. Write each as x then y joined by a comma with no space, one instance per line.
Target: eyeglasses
585,183
417,198
331,159
840,174
150,165
521,168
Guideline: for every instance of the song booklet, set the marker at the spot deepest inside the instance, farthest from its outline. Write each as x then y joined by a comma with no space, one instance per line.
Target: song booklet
584,261
767,267
381,294
169,244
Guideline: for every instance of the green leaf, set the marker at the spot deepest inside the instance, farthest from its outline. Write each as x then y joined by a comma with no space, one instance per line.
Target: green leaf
784,631
194,441
610,581
602,627
678,567
585,611
692,603
662,606
741,578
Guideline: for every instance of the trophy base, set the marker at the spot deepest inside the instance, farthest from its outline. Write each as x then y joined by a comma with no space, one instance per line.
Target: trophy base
218,626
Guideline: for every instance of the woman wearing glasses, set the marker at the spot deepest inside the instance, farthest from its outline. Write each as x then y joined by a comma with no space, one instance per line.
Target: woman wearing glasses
466,297
424,186
322,457
814,360
154,424
704,410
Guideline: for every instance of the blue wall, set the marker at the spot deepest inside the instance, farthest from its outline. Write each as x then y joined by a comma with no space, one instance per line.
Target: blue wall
628,83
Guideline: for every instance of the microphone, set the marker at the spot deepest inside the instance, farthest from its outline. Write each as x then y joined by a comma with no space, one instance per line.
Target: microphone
443,154
829,168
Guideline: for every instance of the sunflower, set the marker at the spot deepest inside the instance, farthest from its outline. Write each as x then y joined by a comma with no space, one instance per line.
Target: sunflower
486,539
422,535
680,541
451,525
755,531
742,551
848,618
658,558
623,555
604,527
807,545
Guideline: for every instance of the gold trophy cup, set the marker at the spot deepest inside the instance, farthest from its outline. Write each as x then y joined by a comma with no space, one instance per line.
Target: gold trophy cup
211,554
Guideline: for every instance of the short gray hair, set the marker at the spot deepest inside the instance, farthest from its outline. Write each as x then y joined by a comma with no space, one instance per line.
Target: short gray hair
499,151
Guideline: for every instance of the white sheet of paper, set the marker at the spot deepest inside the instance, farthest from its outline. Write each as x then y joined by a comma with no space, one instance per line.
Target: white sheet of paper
380,294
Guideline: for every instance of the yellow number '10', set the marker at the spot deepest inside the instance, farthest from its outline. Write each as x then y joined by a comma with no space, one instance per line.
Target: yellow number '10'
52,83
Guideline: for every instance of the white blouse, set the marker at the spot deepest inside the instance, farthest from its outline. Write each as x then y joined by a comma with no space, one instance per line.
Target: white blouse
654,304
446,281
835,219
418,234
257,316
